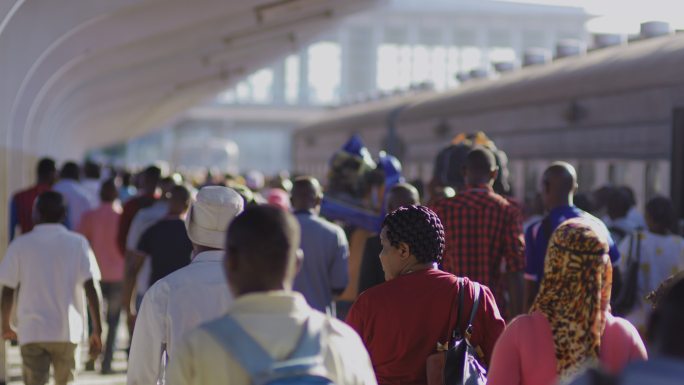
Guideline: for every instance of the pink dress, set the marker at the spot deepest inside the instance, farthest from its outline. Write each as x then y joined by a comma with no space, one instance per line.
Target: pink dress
525,352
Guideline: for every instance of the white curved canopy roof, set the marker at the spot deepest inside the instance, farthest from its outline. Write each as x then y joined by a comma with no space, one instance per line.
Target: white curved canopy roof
76,74
83,73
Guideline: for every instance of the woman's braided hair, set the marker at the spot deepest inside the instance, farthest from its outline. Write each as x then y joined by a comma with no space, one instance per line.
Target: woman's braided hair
418,227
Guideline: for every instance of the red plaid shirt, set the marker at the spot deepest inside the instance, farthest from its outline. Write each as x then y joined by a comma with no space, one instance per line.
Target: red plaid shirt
21,208
482,229
128,214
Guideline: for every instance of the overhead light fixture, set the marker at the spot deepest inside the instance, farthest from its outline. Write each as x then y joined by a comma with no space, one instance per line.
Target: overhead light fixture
271,31
223,75
278,9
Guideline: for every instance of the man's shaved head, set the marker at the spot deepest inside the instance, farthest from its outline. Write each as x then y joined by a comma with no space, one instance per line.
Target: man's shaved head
480,166
559,183
306,193
402,194
562,175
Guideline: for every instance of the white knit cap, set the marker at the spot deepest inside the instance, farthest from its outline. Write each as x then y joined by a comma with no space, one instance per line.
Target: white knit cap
211,213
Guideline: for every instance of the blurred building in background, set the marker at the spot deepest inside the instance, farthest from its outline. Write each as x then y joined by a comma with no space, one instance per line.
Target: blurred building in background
401,46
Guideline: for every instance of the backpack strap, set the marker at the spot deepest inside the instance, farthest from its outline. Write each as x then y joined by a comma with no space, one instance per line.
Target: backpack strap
309,344
638,247
631,246
305,359
243,348
632,254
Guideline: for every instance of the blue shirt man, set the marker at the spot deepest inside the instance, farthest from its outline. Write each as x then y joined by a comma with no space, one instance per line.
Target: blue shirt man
559,184
324,269
539,233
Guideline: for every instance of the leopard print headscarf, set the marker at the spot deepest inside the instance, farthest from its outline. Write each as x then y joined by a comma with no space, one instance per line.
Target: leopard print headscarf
575,293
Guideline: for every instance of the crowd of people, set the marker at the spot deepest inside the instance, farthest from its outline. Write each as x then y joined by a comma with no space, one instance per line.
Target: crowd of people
238,280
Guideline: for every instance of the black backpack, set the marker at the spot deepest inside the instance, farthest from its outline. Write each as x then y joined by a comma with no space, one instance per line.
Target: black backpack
626,297
449,163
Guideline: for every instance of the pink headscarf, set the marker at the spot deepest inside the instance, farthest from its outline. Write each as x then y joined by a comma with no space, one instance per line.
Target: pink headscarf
279,198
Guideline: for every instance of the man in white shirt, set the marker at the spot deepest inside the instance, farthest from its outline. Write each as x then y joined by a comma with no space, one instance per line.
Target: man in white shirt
53,266
622,218
91,183
660,252
77,199
189,296
262,257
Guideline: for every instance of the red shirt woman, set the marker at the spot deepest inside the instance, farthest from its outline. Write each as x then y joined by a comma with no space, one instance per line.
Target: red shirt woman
402,320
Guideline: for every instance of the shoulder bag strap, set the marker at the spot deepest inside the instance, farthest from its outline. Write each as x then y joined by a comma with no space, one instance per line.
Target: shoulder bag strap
460,284
243,348
476,304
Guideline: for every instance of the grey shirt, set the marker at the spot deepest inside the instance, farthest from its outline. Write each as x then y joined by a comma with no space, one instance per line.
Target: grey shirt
325,265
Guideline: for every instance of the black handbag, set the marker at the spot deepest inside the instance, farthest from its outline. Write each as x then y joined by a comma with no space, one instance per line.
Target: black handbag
459,365
628,294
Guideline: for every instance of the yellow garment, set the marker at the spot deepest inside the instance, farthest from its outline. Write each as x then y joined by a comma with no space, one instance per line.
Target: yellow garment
357,242
575,293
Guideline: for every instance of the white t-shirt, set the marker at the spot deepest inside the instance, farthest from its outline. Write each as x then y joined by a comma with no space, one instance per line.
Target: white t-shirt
92,188
76,198
661,256
50,264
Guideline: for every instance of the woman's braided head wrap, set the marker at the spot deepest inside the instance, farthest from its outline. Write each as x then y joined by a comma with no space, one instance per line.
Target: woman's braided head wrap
418,227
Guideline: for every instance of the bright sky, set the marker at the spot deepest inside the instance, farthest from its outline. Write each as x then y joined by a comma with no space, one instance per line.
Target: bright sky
624,16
